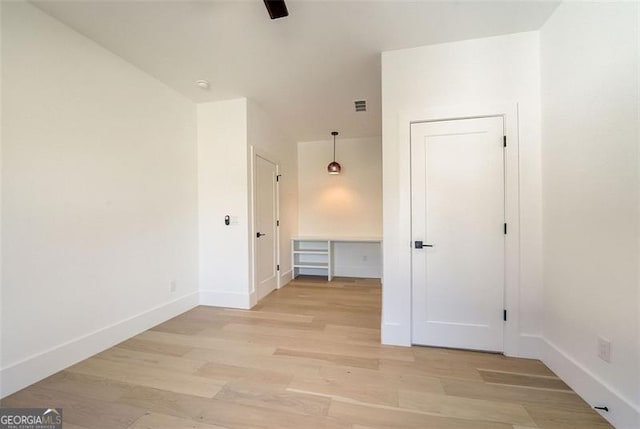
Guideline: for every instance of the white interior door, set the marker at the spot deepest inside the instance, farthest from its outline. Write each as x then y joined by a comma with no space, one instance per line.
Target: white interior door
457,192
265,206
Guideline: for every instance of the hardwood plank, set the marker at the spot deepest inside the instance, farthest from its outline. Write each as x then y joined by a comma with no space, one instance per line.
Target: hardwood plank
388,417
219,371
367,335
160,421
271,330
233,415
514,394
98,388
151,360
265,396
206,342
368,379
464,408
480,360
371,393
266,315
314,325
441,369
280,364
343,360
165,402
140,345
150,377
523,380
354,350
555,418
314,341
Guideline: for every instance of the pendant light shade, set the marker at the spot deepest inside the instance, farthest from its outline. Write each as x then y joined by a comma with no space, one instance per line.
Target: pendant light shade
334,167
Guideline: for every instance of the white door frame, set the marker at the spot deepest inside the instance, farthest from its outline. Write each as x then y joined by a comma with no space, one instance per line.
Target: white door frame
255,151
509,112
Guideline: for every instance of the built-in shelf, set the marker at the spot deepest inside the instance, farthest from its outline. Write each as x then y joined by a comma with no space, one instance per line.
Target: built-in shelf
311,252
311,265
314,255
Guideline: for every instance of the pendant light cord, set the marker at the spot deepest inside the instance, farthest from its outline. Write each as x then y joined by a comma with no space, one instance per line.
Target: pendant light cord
334,148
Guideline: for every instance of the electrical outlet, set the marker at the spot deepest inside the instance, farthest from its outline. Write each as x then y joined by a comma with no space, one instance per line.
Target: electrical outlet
174,286
365,258
604,349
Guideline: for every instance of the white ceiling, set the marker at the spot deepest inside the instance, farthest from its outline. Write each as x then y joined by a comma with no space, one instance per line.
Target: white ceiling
306,69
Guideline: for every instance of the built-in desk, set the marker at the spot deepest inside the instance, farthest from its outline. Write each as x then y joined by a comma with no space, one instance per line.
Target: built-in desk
321,256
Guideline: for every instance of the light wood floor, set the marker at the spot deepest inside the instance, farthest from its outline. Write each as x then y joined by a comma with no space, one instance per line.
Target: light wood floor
308,356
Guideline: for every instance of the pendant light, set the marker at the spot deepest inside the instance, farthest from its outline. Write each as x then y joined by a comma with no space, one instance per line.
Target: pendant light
334,167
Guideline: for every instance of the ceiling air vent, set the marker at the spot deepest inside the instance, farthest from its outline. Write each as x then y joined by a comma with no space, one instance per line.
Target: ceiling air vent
361,105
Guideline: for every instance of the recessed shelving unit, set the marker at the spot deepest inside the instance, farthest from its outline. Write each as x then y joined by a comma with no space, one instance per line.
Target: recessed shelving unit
315,256
311,256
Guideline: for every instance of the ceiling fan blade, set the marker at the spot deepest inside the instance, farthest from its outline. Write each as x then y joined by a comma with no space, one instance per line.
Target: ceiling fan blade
277,8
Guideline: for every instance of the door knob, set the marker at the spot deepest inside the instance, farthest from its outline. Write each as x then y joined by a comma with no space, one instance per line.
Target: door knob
420,245
259,234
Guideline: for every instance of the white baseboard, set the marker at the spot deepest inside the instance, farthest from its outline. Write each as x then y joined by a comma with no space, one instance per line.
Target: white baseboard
44,364
265,290
215,298
623,414
286,277
395,334
530,346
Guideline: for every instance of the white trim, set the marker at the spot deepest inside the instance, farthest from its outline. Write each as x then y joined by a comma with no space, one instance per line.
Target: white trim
41,365
256,151
285,278
530,346
395,334
217,298
261,292
509,111
622,413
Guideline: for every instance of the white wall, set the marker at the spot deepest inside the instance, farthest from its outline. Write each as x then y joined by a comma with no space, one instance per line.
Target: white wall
590,126
343,205
99,198
357,259
494,70
223,189
261,133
